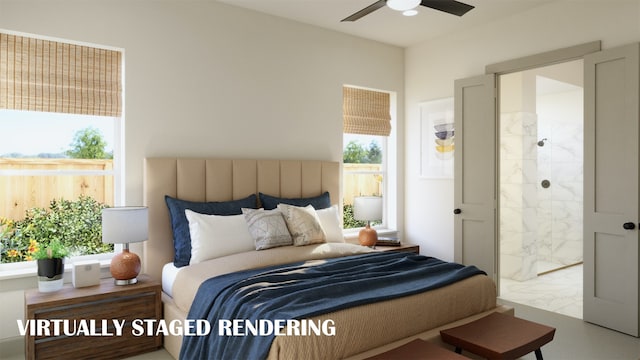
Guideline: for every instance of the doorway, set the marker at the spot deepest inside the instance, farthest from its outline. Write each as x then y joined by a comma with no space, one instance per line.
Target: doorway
541,187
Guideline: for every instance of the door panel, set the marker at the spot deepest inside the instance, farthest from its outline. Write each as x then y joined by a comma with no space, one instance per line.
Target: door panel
475,173
611,132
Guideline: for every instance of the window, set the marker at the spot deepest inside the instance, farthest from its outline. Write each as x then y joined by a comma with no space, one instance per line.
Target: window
61,103
366,140
363,173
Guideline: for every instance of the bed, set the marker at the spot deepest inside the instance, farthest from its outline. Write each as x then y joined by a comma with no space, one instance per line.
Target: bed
364,330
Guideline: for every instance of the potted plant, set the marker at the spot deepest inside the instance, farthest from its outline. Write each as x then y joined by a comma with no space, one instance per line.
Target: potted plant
50,266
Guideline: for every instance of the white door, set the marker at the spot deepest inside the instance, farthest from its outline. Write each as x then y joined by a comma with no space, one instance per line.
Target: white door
611,200
475,173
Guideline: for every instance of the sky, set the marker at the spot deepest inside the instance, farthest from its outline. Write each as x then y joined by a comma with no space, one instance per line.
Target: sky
32,133
363,140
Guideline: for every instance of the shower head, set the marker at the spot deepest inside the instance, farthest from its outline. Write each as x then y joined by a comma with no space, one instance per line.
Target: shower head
541,142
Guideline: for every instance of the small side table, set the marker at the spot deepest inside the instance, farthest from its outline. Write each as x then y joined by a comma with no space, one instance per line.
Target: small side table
499,336
105,301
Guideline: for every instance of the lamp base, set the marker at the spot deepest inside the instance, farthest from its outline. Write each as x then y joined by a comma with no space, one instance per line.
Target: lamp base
125,267
125,282
368,236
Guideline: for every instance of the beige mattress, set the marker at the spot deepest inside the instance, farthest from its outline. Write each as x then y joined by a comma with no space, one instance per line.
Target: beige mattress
357,329
189,278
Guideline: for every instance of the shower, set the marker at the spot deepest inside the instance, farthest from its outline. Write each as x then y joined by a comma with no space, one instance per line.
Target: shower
541,187
540,224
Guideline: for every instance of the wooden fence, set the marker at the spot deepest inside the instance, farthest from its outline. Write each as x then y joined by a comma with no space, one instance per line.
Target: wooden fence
21,192
360,184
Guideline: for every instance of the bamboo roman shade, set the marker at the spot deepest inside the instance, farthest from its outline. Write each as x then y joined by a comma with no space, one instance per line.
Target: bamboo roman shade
366,112
51,76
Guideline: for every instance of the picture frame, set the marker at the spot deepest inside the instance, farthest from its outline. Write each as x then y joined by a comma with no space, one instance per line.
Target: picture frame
437,139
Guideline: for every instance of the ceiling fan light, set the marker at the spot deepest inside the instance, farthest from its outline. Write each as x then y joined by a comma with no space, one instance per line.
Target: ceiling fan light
402,5
412,12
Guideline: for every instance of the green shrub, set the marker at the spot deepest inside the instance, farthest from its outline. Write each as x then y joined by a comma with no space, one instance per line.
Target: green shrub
77,225
349,221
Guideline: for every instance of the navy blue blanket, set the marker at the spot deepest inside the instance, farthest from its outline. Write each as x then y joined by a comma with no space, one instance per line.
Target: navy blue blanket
299,291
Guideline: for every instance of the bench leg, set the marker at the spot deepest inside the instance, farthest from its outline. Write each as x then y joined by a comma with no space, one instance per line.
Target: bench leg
458,350
538,354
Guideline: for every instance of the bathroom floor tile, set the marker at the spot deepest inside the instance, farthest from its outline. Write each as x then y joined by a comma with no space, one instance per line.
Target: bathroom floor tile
558,291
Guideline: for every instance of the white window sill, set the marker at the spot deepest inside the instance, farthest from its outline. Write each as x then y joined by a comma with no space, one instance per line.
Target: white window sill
22,276
28,271
352,234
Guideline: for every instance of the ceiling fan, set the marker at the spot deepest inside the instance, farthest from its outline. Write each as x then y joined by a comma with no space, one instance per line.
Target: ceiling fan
449,6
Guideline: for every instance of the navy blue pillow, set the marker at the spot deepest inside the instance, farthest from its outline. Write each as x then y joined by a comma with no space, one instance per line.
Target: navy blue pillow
180,224
318,202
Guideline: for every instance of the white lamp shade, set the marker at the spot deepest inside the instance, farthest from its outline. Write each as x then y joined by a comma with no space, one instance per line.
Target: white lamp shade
367,208
402,5
123,225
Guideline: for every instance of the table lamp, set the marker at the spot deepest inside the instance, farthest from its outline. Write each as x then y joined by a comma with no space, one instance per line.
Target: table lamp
124,225
367,208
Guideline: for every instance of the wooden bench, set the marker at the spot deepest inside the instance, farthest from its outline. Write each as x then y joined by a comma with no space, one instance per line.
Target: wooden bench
499,336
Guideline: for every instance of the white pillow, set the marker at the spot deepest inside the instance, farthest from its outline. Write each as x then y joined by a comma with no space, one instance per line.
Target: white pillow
303,224
214,236
330,222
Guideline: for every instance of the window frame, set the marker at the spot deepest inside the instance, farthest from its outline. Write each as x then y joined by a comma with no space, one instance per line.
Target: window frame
390,173
28,268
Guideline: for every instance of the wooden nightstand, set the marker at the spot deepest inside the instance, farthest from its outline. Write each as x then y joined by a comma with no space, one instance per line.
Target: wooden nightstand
403,247
106,301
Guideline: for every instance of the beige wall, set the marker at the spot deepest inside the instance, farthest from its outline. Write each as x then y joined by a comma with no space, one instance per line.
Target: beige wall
208,79
432,67
204,78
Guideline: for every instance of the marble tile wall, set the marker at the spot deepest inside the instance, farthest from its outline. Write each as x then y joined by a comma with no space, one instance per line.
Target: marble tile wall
560,211
536,223
518,195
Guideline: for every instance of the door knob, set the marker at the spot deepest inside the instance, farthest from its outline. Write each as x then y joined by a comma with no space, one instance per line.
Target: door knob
457,211
629,226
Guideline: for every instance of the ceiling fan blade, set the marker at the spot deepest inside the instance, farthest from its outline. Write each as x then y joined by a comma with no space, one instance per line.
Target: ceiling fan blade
449,6
366,11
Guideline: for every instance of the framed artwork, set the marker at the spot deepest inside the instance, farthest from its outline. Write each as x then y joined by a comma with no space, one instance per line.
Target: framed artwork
437,139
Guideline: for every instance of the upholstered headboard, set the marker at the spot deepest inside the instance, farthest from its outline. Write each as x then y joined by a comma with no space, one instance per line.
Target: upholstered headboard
223,180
